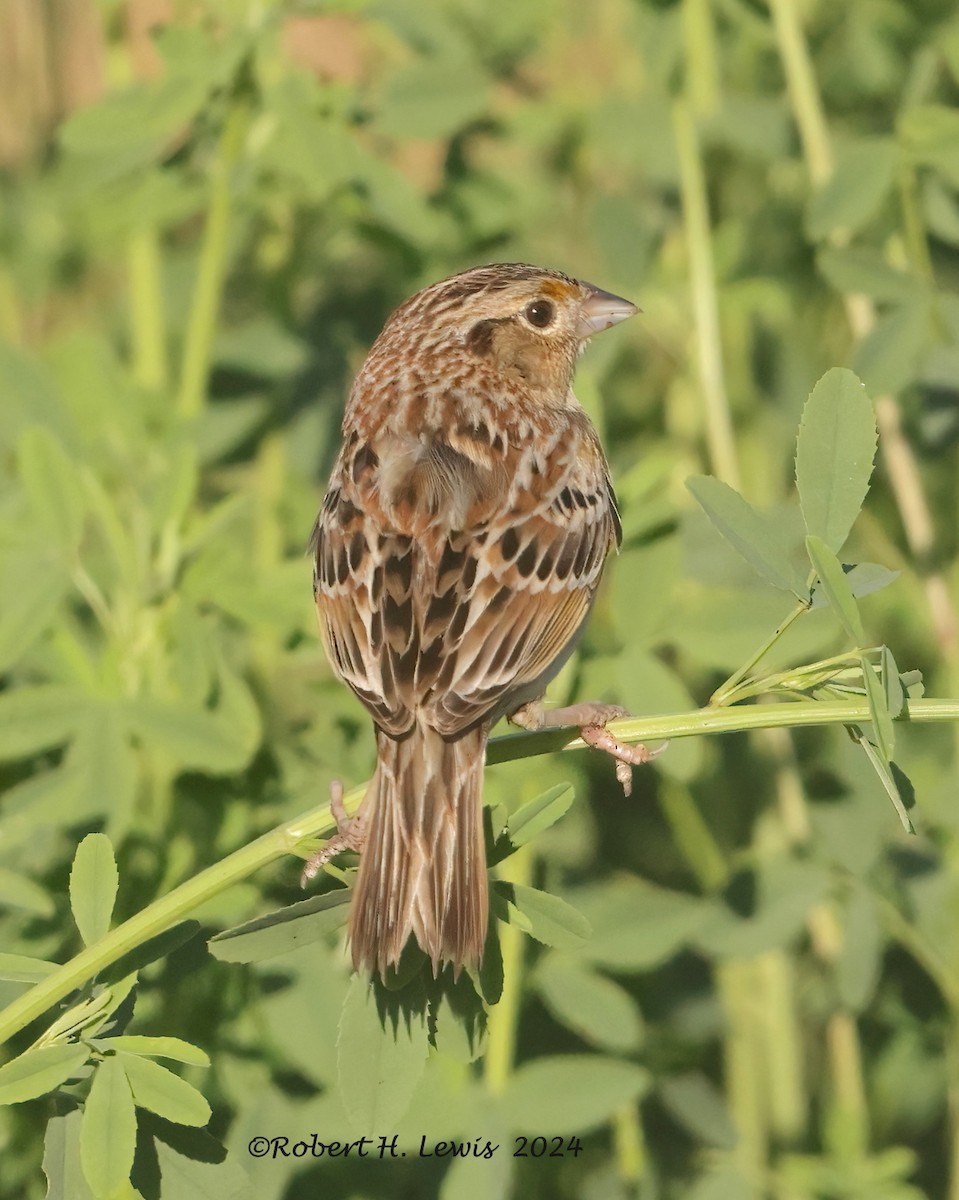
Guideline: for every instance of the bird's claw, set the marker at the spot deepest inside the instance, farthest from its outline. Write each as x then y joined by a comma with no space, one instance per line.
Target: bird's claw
350,835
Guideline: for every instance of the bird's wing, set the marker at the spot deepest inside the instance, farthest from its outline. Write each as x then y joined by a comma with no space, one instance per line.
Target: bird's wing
456,625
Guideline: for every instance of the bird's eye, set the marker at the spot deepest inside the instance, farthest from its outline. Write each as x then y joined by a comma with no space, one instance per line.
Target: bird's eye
540,313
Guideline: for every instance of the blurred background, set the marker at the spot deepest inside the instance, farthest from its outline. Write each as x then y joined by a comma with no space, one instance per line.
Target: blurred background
207,210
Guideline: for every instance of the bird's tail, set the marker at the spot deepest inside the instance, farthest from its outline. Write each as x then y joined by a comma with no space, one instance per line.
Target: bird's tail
423,862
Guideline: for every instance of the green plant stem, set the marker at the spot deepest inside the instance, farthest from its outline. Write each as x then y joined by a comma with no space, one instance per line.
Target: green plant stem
147,318
709,720
917,245
198,346
692,835
702,79
630,1147
744,1070
719,425
780,1032
290,837
504,1017
166,912
724,691
803,91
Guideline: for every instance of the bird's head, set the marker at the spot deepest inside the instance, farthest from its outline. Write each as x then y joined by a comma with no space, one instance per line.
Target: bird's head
524,324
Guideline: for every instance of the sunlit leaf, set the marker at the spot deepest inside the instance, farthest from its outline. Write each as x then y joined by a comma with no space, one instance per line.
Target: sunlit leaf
860,182
546,917
835,589
159,1090
749,532
592,1006
61,1158
381,1047
570,1093
878,710
21,968
108,1132
834,455
38,1071
93,886
279,932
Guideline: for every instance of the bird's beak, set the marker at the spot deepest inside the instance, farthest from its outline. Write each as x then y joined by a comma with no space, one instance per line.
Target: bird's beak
601,310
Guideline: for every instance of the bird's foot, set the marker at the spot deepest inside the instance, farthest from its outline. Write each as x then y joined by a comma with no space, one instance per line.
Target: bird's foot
350,835
591,719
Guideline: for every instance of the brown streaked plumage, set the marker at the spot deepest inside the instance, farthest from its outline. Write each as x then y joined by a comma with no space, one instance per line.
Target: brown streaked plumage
457,555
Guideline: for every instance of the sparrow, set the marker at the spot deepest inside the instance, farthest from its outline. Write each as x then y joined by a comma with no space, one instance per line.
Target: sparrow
456,558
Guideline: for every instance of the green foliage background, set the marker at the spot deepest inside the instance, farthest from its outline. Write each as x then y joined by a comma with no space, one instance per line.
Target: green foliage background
201,232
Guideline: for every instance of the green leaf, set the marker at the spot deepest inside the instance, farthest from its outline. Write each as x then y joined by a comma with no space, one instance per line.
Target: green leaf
570,1093
53,485
858,966
200,1172
457,1019
753,535
21,968
93,886
103,753
861,180
889,776
834,455
282,931
39,1070
109,1130
17,891
30,396
155,1047
930,133
878,710
785,890
530,819
862,579
891,682
592,1006
635,924
544,916
33,584
696,1104
889,358
90,1014
61,1158
381,1051
472,1178
836,590
865,271
433,98
193,737
159,1090
36,718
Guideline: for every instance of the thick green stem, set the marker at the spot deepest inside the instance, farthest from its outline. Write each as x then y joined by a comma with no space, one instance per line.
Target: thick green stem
198,346
710,720
692,835
147,321
719,425
744,1069
630,1147
504,1017
803,90
288,837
